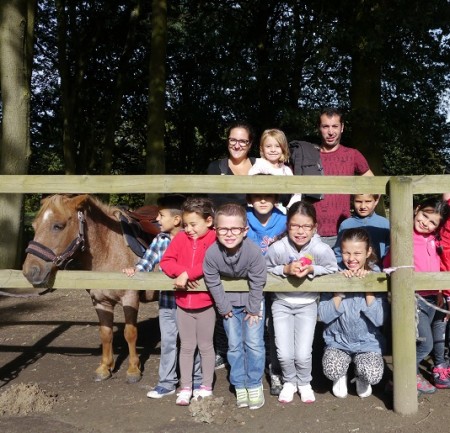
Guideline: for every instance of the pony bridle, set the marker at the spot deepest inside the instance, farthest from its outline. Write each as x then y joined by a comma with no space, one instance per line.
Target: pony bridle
46,254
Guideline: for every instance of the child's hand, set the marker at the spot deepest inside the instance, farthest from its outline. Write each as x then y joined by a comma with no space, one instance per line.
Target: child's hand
181,281
192,284
298,269
359,273
129,271
252,318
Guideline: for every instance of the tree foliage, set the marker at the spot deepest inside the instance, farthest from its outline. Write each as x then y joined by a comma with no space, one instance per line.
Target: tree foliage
273,63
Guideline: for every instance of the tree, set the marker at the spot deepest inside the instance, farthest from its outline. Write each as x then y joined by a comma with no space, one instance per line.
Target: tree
16,51
155,157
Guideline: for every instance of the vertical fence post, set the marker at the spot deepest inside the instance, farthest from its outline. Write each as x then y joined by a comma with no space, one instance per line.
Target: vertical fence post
403,301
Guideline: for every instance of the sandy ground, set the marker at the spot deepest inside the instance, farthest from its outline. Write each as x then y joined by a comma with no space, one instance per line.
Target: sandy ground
49,349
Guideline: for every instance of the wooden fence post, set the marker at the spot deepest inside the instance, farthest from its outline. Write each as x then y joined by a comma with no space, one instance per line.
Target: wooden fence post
403,300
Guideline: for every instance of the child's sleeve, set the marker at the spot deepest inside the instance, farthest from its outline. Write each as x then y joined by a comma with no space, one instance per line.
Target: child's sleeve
327,310
275,261
376,312
153,254
324,261
257,278
337,246
211,276
169,261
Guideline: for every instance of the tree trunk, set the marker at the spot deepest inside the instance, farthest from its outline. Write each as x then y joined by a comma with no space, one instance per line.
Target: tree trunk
155,159
16,52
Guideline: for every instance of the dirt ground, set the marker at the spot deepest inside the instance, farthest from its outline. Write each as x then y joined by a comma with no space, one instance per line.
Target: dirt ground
49,349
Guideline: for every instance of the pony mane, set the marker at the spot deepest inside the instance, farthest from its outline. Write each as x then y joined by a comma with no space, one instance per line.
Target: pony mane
58,203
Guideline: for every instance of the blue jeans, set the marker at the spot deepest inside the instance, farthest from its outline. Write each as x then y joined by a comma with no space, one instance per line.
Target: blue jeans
294,334
246,353
424,344
168,377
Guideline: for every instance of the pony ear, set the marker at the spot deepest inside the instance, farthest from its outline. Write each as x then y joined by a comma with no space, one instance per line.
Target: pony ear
80,200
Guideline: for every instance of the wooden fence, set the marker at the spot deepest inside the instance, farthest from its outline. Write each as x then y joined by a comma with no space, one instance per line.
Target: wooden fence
402,283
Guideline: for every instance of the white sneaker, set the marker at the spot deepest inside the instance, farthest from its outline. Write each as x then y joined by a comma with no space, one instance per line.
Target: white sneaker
340,387
184,397
287,393
203,392
363,389
306,393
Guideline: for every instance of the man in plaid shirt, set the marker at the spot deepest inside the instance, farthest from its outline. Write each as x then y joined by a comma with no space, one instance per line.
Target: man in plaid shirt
169,218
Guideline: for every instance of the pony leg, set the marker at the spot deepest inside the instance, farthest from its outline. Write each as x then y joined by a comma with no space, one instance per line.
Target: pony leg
134,372
104,371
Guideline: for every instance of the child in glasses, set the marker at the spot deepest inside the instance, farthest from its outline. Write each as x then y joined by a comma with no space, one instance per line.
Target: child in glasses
183,261
274,151
299,254
236,256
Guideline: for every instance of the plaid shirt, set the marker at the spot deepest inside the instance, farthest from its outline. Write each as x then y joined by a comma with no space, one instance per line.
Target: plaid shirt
148,262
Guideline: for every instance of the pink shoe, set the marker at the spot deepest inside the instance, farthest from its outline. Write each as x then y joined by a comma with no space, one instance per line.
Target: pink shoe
184,397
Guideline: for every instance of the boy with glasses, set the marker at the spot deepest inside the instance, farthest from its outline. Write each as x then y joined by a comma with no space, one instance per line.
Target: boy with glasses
234,255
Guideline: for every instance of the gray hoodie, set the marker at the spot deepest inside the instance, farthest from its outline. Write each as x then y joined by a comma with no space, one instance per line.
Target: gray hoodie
247,264
284,251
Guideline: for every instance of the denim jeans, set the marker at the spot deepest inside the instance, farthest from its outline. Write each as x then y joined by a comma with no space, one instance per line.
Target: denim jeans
246,353
168,377
424,343
294,334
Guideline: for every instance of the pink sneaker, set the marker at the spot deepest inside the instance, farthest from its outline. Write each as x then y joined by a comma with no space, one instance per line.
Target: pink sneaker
423,386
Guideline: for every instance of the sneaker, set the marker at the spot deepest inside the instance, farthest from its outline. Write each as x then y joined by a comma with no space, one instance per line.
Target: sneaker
160,392
340,387
255,397
220,362
203,391
306,393
363,388
423,386
287,393
184,397
275,384
241,397
441,376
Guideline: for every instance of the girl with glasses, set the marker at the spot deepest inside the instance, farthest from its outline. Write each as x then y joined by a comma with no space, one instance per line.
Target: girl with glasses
300,254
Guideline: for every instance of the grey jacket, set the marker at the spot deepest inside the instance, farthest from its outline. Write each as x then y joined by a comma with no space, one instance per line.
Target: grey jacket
284,251
247,264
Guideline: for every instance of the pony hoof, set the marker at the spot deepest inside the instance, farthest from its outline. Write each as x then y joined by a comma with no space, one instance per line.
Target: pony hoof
133,378
101,376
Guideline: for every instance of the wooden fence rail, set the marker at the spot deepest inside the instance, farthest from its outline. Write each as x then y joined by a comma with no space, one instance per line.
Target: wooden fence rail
402,283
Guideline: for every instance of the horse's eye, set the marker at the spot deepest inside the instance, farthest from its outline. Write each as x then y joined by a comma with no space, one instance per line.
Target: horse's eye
57,227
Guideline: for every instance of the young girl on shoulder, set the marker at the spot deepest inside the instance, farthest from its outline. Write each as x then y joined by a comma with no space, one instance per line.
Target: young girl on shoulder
429,216
352,322
274,151
183,261
299,254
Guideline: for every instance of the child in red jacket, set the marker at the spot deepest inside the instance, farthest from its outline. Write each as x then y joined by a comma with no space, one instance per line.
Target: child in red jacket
183,261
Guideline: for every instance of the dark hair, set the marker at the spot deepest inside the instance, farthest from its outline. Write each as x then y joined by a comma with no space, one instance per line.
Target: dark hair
231,209
360,235
200,205
243,125
435,205
302,208
172,202
330,112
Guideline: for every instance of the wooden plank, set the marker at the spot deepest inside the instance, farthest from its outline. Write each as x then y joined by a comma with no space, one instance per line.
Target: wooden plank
431,184
402,297
10,279
191,184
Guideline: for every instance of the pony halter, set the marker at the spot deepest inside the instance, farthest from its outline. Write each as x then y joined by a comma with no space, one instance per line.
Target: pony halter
46,254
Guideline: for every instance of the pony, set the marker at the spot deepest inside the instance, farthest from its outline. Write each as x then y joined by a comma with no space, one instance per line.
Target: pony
82,231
